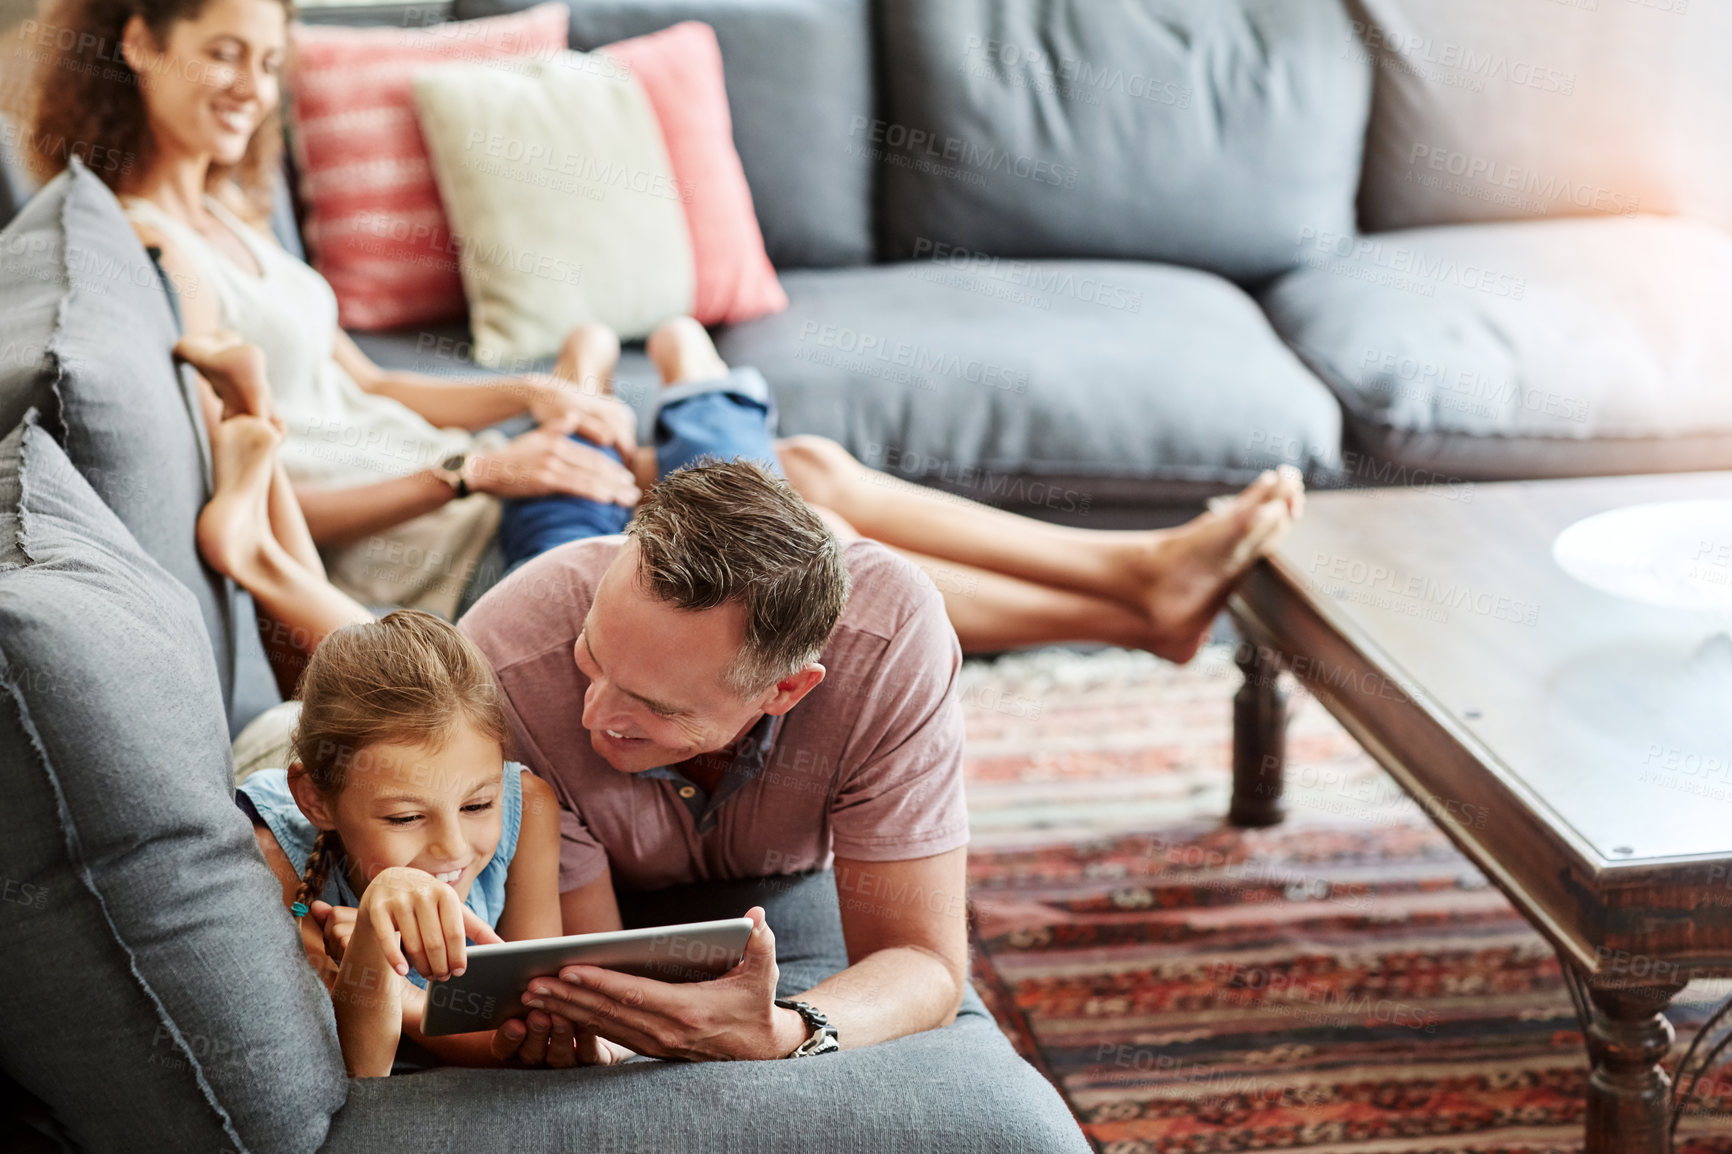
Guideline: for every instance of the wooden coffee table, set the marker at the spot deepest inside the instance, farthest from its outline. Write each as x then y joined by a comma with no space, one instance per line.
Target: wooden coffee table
1528,715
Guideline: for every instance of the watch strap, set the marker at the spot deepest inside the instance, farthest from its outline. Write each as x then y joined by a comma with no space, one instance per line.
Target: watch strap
824,1038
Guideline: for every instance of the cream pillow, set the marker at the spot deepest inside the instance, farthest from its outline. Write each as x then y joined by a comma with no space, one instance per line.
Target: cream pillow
556,180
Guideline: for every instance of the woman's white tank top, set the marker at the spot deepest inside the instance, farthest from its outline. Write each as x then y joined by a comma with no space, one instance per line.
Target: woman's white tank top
339,435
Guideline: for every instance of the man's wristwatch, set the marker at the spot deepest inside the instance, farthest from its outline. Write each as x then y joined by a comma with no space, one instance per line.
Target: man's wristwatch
824,1039
450,471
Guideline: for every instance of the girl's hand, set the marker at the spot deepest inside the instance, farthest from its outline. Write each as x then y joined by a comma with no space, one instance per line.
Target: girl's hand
337,924
418,920
543,1039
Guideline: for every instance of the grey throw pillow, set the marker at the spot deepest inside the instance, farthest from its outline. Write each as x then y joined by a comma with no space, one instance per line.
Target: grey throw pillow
156,996
1209,133
89,330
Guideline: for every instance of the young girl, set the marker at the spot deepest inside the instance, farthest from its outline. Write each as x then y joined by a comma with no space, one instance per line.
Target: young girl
403,829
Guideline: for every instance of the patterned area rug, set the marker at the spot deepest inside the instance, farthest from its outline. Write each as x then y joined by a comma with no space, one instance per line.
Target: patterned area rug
1346,981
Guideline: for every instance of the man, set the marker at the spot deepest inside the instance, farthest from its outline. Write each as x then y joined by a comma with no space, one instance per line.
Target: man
732,706
710,704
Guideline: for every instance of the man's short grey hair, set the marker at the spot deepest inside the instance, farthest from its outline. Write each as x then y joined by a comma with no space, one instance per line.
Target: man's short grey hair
731,531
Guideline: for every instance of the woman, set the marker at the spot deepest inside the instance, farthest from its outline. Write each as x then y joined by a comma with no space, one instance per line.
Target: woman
199,120
395,486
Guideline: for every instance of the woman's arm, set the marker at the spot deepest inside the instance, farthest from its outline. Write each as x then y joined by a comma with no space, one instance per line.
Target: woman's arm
447,404
537,464
560,405
341,516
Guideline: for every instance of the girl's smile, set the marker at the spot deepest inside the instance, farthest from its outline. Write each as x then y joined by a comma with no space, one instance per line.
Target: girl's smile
431,806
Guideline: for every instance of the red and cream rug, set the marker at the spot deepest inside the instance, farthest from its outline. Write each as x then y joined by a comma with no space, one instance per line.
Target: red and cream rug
1344,982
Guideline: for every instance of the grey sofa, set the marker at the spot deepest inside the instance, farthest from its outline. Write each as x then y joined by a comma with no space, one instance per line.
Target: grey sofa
1079,258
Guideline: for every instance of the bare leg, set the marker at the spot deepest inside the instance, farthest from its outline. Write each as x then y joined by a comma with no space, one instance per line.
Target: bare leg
235,371
235,537
992,612
1010,580
681,350
587,359
1175,579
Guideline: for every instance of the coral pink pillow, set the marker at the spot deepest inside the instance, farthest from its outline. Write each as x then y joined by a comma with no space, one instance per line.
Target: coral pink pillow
372,213
680,69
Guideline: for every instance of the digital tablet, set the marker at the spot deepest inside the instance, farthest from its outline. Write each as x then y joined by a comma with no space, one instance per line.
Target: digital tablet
490,992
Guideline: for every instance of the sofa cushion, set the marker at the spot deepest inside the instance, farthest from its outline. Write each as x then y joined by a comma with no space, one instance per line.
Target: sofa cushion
1202,132
799,73
1537,349
373,215
89,330
681,72
518,153
957,1088
156,991
1488,110
973,375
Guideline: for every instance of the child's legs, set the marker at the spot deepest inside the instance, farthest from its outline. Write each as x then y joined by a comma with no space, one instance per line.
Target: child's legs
728,418
530,526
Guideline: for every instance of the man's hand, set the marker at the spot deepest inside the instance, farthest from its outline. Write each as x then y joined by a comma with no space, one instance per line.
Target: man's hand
563,407
545,462
733,1016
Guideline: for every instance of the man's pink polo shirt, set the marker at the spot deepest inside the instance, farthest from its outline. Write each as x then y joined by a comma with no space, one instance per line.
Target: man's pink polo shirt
867,767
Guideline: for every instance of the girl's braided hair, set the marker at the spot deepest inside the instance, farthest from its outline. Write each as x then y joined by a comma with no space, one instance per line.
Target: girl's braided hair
407,678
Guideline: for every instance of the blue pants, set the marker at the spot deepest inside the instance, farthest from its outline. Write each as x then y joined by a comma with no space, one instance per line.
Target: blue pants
729,418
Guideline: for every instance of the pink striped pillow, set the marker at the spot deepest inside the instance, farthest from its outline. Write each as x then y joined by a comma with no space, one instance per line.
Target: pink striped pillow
372,215
680,69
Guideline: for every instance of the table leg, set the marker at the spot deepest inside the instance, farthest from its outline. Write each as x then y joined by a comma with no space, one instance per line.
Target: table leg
1629,1095
1259,739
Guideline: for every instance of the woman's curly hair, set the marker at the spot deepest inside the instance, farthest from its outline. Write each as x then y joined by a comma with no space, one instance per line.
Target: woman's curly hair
87,101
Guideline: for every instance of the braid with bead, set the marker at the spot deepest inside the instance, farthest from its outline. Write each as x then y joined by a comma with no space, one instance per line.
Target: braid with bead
327,849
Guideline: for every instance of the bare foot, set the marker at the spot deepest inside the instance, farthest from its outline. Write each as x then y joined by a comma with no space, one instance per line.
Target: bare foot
1188,572
681,350
235,370
236,521
587,358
